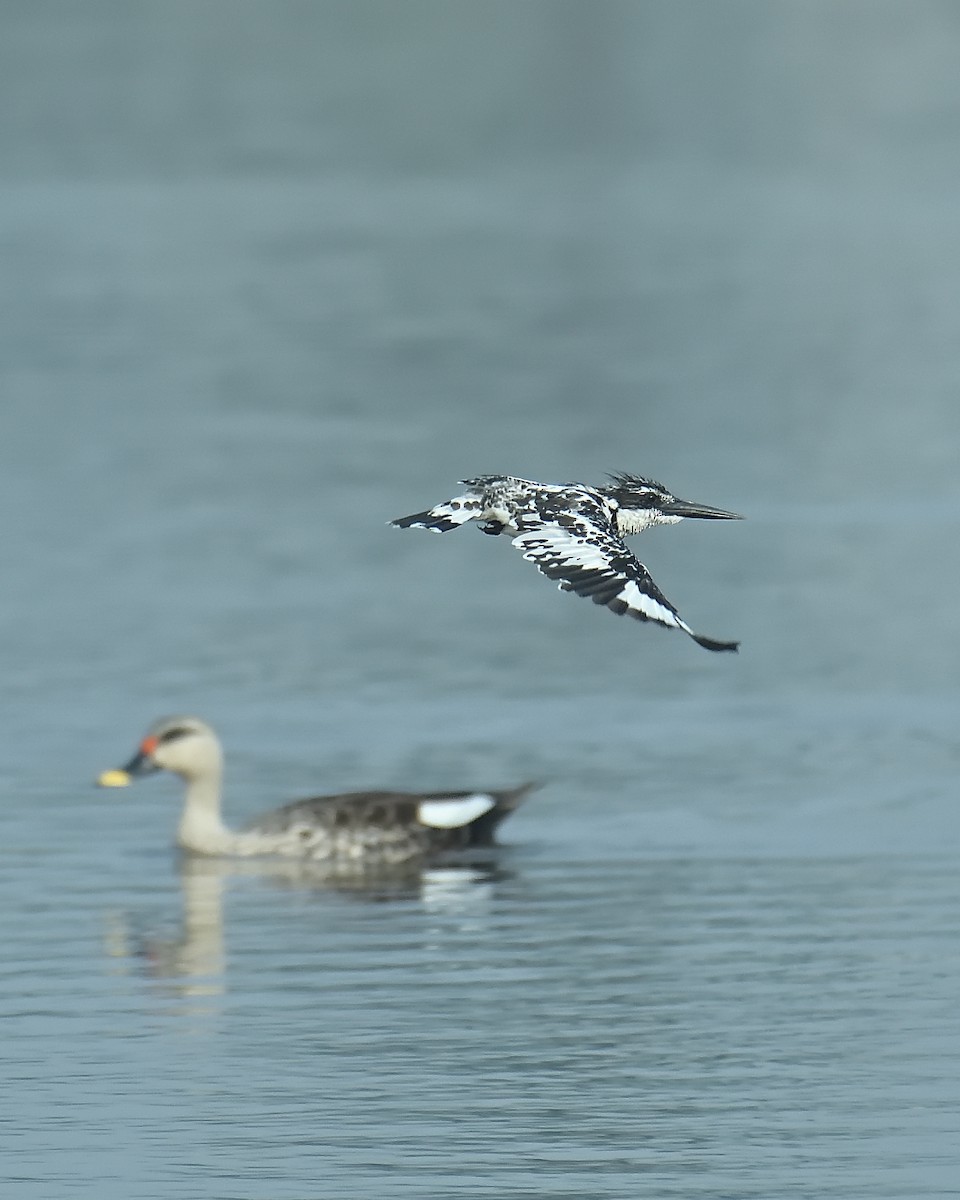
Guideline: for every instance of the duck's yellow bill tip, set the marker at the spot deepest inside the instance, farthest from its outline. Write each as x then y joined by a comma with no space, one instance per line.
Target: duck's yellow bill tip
113,779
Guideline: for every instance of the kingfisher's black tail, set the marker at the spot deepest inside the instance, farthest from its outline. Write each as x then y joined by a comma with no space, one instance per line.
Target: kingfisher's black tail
443,517
426,520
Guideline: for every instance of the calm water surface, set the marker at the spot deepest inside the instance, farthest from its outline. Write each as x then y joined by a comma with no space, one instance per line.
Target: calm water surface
274,274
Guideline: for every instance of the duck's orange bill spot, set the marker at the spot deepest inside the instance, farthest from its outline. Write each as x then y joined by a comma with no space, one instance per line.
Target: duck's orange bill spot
149,744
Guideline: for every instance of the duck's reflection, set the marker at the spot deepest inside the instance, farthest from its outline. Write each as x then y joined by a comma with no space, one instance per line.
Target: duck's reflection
197,958
193,964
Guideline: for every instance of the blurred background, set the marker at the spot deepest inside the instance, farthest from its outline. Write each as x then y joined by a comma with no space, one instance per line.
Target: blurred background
275,273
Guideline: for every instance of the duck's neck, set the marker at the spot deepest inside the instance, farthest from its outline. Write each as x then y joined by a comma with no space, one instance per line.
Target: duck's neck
201,827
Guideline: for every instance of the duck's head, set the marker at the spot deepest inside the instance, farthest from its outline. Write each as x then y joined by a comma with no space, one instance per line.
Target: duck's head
184,745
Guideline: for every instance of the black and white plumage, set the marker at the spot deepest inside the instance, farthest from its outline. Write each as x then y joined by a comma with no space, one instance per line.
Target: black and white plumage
574,534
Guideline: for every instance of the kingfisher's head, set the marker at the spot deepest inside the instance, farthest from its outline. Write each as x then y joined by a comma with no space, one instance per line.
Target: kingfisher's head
644,502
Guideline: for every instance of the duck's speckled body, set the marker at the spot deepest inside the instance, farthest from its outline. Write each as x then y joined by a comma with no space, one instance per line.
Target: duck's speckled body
377,827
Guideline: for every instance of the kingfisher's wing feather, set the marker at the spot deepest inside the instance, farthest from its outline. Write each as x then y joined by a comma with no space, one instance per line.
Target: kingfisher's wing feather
584,555
590,561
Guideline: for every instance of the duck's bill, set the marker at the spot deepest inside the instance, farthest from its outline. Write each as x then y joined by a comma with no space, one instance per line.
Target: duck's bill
114,779
689,508
141,764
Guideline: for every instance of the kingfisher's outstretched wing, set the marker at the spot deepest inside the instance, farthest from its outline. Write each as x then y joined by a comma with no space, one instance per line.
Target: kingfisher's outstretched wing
584,555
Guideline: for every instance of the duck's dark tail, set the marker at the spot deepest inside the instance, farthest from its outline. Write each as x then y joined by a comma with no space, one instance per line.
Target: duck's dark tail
483,829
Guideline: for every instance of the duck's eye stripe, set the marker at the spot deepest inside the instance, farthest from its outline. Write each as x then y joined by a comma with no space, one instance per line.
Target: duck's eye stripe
171,735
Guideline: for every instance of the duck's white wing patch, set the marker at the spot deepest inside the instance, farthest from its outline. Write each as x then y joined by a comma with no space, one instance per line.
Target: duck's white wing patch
585,557
455,812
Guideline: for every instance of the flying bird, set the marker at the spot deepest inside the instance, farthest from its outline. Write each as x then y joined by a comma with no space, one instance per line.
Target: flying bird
574,534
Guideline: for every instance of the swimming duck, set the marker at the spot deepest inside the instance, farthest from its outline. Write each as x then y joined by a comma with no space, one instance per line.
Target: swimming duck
381,827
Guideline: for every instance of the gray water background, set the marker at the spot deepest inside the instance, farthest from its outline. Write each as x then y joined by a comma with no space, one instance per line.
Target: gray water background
275,273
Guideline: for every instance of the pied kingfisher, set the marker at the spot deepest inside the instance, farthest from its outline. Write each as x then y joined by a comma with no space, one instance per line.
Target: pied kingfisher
574,534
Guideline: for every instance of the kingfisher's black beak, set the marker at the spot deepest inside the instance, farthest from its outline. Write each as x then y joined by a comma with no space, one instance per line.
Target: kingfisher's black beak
687,508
